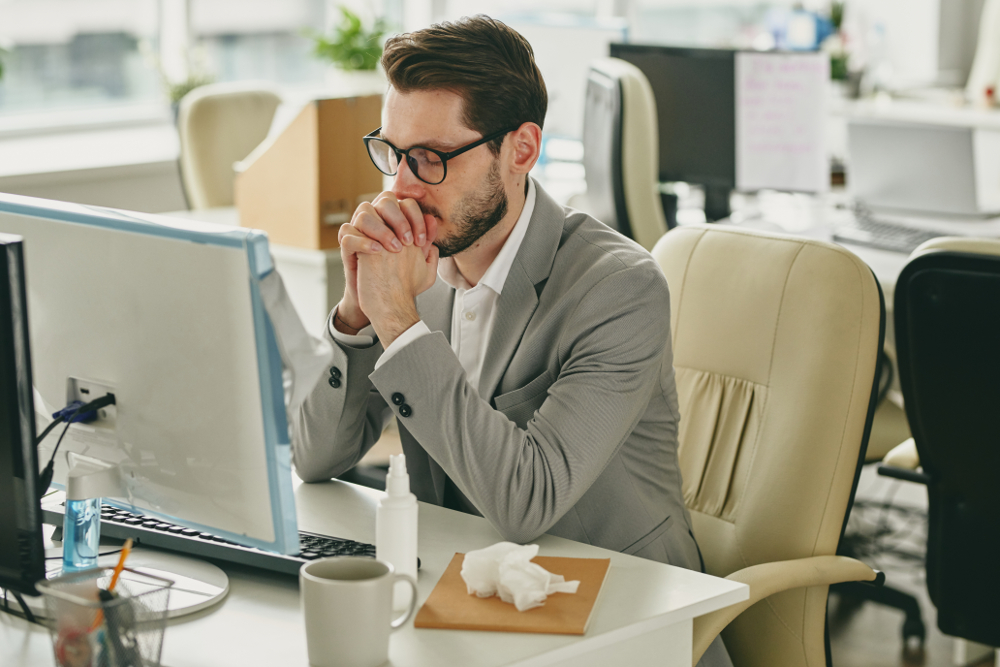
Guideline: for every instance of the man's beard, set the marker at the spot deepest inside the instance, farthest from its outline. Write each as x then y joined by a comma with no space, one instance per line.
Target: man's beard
476,214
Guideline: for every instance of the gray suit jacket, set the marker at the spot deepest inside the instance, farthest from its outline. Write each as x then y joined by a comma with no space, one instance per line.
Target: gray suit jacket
573,430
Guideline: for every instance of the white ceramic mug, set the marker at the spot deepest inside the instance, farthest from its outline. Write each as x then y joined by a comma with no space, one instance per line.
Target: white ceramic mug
347,604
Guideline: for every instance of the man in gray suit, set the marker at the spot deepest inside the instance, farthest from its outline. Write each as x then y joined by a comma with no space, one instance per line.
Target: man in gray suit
523,348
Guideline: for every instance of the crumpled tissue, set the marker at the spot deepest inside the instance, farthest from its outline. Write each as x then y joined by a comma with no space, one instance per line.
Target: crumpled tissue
505,569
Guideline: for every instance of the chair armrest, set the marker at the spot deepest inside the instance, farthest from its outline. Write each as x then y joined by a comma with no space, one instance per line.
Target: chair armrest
904,455
902,462
769,578
904,474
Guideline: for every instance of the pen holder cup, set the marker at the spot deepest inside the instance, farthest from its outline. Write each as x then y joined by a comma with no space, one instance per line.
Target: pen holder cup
92,629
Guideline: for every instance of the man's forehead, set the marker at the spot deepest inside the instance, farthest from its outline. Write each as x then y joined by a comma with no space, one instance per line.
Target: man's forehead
431,118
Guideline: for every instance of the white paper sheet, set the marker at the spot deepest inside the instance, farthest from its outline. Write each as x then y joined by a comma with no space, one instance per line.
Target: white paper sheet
780,121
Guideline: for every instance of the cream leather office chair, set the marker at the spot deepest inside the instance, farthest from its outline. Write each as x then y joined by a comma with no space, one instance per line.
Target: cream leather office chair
621,152
220,124
776,344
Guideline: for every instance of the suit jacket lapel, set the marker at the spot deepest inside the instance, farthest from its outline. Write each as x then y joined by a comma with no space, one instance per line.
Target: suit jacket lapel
519,297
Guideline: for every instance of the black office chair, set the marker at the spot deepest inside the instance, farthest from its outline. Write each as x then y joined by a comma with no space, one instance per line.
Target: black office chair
947,316
621,153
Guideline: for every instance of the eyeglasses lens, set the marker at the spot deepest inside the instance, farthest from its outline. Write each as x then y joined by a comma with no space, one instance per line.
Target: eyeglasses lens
383,156
427,165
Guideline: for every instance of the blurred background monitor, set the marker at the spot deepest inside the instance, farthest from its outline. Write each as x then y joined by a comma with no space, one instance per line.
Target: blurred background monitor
736,120
695,91
22,552
168,316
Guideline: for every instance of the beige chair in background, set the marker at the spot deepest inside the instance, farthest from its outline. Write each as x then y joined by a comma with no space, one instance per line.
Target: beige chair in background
621,152
776,344
220,124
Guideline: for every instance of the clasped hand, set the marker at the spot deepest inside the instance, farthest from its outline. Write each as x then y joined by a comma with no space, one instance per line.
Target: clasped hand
389,258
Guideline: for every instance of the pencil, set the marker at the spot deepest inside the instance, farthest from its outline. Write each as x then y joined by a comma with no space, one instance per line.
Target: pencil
121,564
126,549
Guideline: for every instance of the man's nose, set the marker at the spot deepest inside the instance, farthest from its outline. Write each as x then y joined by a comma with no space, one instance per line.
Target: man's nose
405,184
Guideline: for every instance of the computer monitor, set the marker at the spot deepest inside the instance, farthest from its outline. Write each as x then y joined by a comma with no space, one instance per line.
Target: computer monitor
695,92
742,120
22,550
168,316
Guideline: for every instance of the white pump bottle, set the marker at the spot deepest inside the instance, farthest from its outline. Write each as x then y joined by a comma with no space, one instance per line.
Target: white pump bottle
396,528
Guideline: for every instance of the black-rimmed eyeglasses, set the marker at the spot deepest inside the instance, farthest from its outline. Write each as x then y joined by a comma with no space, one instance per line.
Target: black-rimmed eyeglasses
429,165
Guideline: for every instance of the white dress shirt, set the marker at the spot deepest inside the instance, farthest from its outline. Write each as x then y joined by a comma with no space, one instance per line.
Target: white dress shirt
474,308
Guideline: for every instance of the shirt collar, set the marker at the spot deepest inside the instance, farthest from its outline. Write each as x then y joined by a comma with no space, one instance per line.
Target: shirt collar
496,274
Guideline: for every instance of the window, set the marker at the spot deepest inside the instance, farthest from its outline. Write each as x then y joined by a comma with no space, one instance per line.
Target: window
111,58
72,54
258,39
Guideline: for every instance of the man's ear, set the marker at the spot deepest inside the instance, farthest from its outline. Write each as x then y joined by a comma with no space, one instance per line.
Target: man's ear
526,145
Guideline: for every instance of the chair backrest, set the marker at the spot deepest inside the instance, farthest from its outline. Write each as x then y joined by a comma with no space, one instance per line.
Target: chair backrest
621,151
947,315
220,124
776,350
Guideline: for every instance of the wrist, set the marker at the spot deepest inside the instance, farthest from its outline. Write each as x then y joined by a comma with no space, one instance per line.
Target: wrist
349,320
393,325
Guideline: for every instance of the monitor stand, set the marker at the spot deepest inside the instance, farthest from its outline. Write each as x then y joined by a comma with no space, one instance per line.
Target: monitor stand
717,202
197,583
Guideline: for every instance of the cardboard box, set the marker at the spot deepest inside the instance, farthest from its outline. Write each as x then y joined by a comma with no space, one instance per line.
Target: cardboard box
300,186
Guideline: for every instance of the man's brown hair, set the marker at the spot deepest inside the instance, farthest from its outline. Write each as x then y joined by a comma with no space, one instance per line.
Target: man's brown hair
489,65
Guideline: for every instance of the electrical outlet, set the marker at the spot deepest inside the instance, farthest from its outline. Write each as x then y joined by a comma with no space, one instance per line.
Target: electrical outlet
86,391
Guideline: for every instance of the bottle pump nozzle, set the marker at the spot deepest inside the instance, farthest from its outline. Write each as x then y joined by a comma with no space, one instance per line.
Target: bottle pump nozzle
397,482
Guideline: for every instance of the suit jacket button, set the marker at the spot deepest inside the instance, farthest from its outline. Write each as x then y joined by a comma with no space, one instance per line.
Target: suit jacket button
334,382
398,399
335,372
404,410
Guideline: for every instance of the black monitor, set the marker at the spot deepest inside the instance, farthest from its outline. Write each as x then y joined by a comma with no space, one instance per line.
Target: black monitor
22,550
695,92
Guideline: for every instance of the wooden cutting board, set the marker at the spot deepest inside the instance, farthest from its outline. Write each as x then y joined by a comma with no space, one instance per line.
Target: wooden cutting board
451,607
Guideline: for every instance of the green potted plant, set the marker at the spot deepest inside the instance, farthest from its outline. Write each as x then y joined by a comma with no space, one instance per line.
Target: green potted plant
353,51
845,80
351,46
838,54
3,54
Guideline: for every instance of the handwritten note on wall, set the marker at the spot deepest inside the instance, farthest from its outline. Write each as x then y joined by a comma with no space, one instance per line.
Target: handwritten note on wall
780,121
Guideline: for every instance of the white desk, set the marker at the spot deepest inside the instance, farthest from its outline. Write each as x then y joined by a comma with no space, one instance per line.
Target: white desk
643,617
817,217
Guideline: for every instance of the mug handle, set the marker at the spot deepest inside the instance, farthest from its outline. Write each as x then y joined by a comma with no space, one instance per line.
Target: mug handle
402,620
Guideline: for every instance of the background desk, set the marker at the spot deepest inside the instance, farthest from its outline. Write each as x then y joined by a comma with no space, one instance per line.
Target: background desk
818,216
643,617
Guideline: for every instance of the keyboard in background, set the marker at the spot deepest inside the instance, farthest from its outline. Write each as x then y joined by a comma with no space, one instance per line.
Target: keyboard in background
874,233
148,531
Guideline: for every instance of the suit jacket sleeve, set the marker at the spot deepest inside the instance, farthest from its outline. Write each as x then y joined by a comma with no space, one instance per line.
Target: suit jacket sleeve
337,425
524,479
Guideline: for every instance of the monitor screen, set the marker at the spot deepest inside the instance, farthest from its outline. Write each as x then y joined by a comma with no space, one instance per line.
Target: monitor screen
22,551
695,95
167,315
